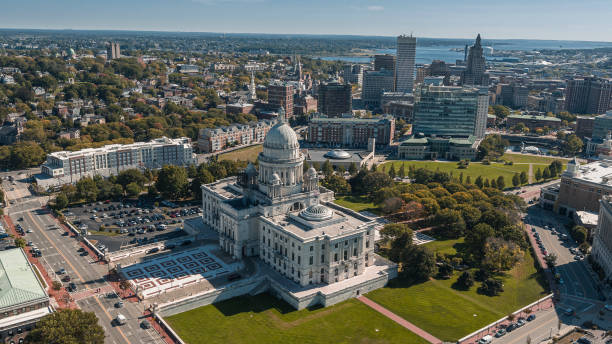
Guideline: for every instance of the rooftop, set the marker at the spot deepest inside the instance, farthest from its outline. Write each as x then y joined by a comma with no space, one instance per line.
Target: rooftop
598,172
115,147
324,154
337,224
18,283
536,117
225,188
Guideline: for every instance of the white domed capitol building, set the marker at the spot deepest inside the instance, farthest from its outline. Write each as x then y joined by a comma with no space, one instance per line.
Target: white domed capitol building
310,250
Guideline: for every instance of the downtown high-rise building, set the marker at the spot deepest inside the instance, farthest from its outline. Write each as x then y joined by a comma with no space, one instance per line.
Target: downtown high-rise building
450,111
588,95
334,98
404,63
280,95
384,62
113,51
476,66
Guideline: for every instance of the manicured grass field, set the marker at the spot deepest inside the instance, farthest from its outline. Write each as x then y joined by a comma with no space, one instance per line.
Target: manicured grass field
357,203
449,247
449,313
475,169
531,159
243,154
265,319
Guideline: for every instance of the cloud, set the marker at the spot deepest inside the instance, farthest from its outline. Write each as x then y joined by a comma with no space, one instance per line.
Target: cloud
375,8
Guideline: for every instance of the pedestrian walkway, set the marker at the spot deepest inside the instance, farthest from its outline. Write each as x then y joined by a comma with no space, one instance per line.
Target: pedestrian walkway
382,310
92,292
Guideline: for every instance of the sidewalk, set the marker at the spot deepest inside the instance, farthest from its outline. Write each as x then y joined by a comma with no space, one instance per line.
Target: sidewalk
382,310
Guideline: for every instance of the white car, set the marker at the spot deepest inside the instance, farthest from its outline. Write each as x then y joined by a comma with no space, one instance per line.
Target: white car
608,307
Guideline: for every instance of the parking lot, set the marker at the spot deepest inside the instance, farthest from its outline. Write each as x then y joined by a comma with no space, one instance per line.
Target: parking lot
118,225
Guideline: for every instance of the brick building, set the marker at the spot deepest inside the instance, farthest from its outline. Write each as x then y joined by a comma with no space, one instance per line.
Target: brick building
281,95
351,131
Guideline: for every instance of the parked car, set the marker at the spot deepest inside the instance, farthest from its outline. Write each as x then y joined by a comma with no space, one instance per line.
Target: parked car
145,324
511,327
521,322
531,317
119,304
485,340
501,332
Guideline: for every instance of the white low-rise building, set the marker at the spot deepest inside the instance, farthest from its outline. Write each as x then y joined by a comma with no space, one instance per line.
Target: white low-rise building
322,253
68,167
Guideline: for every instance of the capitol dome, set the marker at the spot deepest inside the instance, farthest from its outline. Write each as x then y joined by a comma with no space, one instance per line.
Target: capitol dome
281,143
337,154
317,212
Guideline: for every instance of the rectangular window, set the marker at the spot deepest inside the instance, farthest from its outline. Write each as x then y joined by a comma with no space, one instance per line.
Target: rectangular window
345,254
311,260
355,251
311,248
322,258
299,260
367,243
335,257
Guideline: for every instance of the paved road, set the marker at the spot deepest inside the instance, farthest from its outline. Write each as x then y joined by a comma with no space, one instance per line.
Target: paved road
61,251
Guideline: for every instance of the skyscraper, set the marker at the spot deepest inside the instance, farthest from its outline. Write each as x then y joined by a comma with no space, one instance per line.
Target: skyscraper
404,65
474,73
384,61
450,111
334,98
281,95
113,51
375,82
588,95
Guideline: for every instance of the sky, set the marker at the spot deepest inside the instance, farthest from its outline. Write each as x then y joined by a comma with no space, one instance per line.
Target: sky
586,20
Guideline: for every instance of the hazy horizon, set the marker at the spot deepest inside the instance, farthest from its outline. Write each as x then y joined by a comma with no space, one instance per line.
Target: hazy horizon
587,20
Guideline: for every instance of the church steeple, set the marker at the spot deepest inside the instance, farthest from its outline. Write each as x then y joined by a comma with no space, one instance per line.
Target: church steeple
253,93
477,41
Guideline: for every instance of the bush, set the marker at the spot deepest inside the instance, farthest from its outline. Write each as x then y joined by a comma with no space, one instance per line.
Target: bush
466,280
56,285
491,287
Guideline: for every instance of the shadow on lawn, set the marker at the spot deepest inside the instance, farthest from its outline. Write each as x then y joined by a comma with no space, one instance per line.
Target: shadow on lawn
256,304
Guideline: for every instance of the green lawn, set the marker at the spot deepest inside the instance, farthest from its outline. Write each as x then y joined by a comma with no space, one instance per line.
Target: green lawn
242,154
448,313
265,319
357,203
449,247
532,159
475,169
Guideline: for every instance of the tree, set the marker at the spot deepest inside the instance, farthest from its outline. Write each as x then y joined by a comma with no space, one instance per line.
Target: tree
546,173
523,178
500,111
172,181
538,174
501,255
445,271
56,285
87,189
131,176
476,238
492,147
27,154
327,168
516,180
394,230
478,182
493,183
556,167
83,328
61,201
392,172
402,171
337,184
352,169
392,205
491,287
124,285
449,223
550,259
418,262
20,242
132,189
572,145
465,280
468,180
501,183
375,180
